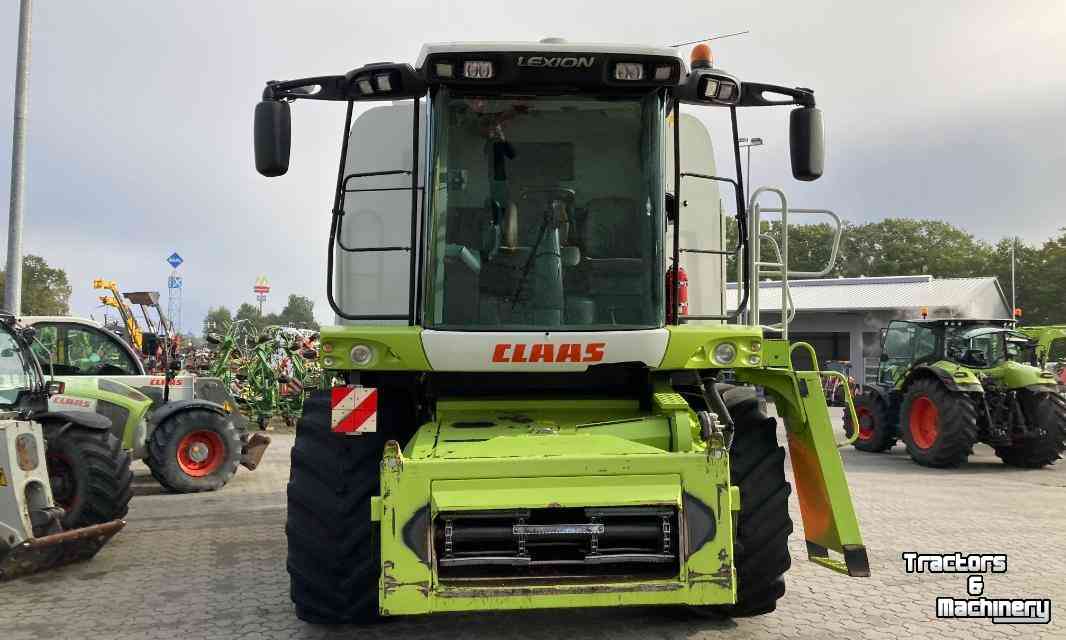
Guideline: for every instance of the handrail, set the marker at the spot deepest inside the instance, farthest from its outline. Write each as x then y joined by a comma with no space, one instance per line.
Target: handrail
849,399
755,264
837,235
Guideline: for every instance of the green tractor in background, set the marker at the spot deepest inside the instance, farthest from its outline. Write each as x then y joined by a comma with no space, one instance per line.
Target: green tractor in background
945,385
186,428
1048,349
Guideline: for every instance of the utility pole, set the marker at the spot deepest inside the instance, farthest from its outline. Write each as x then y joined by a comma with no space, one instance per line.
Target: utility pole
748,144
1013,298
13,284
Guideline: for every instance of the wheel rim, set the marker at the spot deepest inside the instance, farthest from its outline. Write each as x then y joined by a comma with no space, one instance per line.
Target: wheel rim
61,477
200,453
925,422
866,423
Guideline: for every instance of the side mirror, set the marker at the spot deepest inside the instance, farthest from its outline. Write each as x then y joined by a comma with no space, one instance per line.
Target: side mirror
55,387
273,134
806,143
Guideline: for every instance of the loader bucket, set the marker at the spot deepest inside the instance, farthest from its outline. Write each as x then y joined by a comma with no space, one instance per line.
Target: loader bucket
47,552
254,450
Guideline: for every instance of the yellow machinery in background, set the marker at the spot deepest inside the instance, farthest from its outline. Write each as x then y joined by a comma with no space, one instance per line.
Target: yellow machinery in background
131,330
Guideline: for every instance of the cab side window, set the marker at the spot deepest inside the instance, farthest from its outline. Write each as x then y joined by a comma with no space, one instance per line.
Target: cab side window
82,351
897,352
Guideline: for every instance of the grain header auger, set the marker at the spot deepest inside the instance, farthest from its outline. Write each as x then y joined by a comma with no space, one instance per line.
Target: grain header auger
533,413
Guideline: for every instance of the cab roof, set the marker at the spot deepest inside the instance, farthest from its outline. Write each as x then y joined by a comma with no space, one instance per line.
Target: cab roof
547,45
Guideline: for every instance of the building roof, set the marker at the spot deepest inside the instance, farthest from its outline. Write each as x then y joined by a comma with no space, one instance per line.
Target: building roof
879,293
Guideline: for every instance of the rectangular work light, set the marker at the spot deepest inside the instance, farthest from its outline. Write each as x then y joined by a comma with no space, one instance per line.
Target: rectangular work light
628,71
477,69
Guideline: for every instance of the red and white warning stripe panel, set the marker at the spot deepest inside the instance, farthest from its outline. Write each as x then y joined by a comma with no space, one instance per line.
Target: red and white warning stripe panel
355,410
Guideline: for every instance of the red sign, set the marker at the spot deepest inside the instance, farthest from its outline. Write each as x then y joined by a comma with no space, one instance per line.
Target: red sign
548,352
354,409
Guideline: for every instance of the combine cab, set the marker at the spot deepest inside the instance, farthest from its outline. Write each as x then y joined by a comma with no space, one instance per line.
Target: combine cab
533,336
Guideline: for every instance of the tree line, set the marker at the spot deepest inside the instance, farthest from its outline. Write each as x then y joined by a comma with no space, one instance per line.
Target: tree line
906,246
299,312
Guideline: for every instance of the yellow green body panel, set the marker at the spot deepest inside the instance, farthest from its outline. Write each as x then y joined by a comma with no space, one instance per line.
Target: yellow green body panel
133,401
692,346
396,347
484,454
562,474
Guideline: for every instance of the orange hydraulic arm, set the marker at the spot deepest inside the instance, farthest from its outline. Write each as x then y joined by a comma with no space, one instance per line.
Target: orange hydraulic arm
132,330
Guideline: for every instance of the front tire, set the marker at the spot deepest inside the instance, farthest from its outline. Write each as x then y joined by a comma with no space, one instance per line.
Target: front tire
877,433
1046,412
194,450
938,426
90,476
334,559
757,466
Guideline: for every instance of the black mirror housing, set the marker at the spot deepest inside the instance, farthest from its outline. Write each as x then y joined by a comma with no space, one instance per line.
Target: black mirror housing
806,143
273,137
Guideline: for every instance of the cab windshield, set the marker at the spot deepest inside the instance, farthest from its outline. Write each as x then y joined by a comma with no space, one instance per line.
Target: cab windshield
983,347
16,374
545,212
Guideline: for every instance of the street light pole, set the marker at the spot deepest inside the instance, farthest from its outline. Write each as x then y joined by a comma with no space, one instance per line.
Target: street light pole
748,143
13,284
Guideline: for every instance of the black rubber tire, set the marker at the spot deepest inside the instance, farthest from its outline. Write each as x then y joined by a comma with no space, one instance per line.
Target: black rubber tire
884,428
99,482
957,425
1047,411
163,443
333,552
757,466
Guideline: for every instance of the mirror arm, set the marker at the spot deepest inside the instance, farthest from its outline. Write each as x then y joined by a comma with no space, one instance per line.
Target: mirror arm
328,88
751,95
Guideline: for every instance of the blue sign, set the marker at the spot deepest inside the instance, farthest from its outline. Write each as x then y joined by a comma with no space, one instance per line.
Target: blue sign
174,282
175,260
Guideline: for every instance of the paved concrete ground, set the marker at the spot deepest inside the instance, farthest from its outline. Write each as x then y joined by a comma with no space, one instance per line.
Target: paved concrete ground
213,566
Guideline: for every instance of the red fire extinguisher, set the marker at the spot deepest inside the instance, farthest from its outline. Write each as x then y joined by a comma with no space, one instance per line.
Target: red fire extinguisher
676,290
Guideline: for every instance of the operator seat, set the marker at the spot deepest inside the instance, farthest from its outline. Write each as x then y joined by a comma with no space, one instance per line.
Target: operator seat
614,266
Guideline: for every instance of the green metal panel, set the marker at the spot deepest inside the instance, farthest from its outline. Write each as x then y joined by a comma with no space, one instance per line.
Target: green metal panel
549,461
567,491
87,387
692,346
396,348
829,520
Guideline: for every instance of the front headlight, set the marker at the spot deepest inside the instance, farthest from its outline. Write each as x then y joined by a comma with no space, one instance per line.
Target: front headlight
725,352
362,354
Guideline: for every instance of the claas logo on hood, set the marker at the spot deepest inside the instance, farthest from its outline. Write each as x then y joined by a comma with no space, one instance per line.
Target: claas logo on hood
548,352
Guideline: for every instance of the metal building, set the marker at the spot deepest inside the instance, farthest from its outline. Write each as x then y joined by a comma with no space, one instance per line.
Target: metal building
842,318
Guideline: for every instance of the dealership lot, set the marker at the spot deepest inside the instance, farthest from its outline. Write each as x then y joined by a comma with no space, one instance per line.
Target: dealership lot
202,566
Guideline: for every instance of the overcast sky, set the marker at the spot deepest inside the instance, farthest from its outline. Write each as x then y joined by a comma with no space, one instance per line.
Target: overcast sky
139,139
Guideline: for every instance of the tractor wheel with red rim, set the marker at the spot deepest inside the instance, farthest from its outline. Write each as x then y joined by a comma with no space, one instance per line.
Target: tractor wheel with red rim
90,475
194,450
938,426
877,432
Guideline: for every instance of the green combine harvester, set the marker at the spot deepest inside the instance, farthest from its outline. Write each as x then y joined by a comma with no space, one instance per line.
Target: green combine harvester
527,263
945,385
